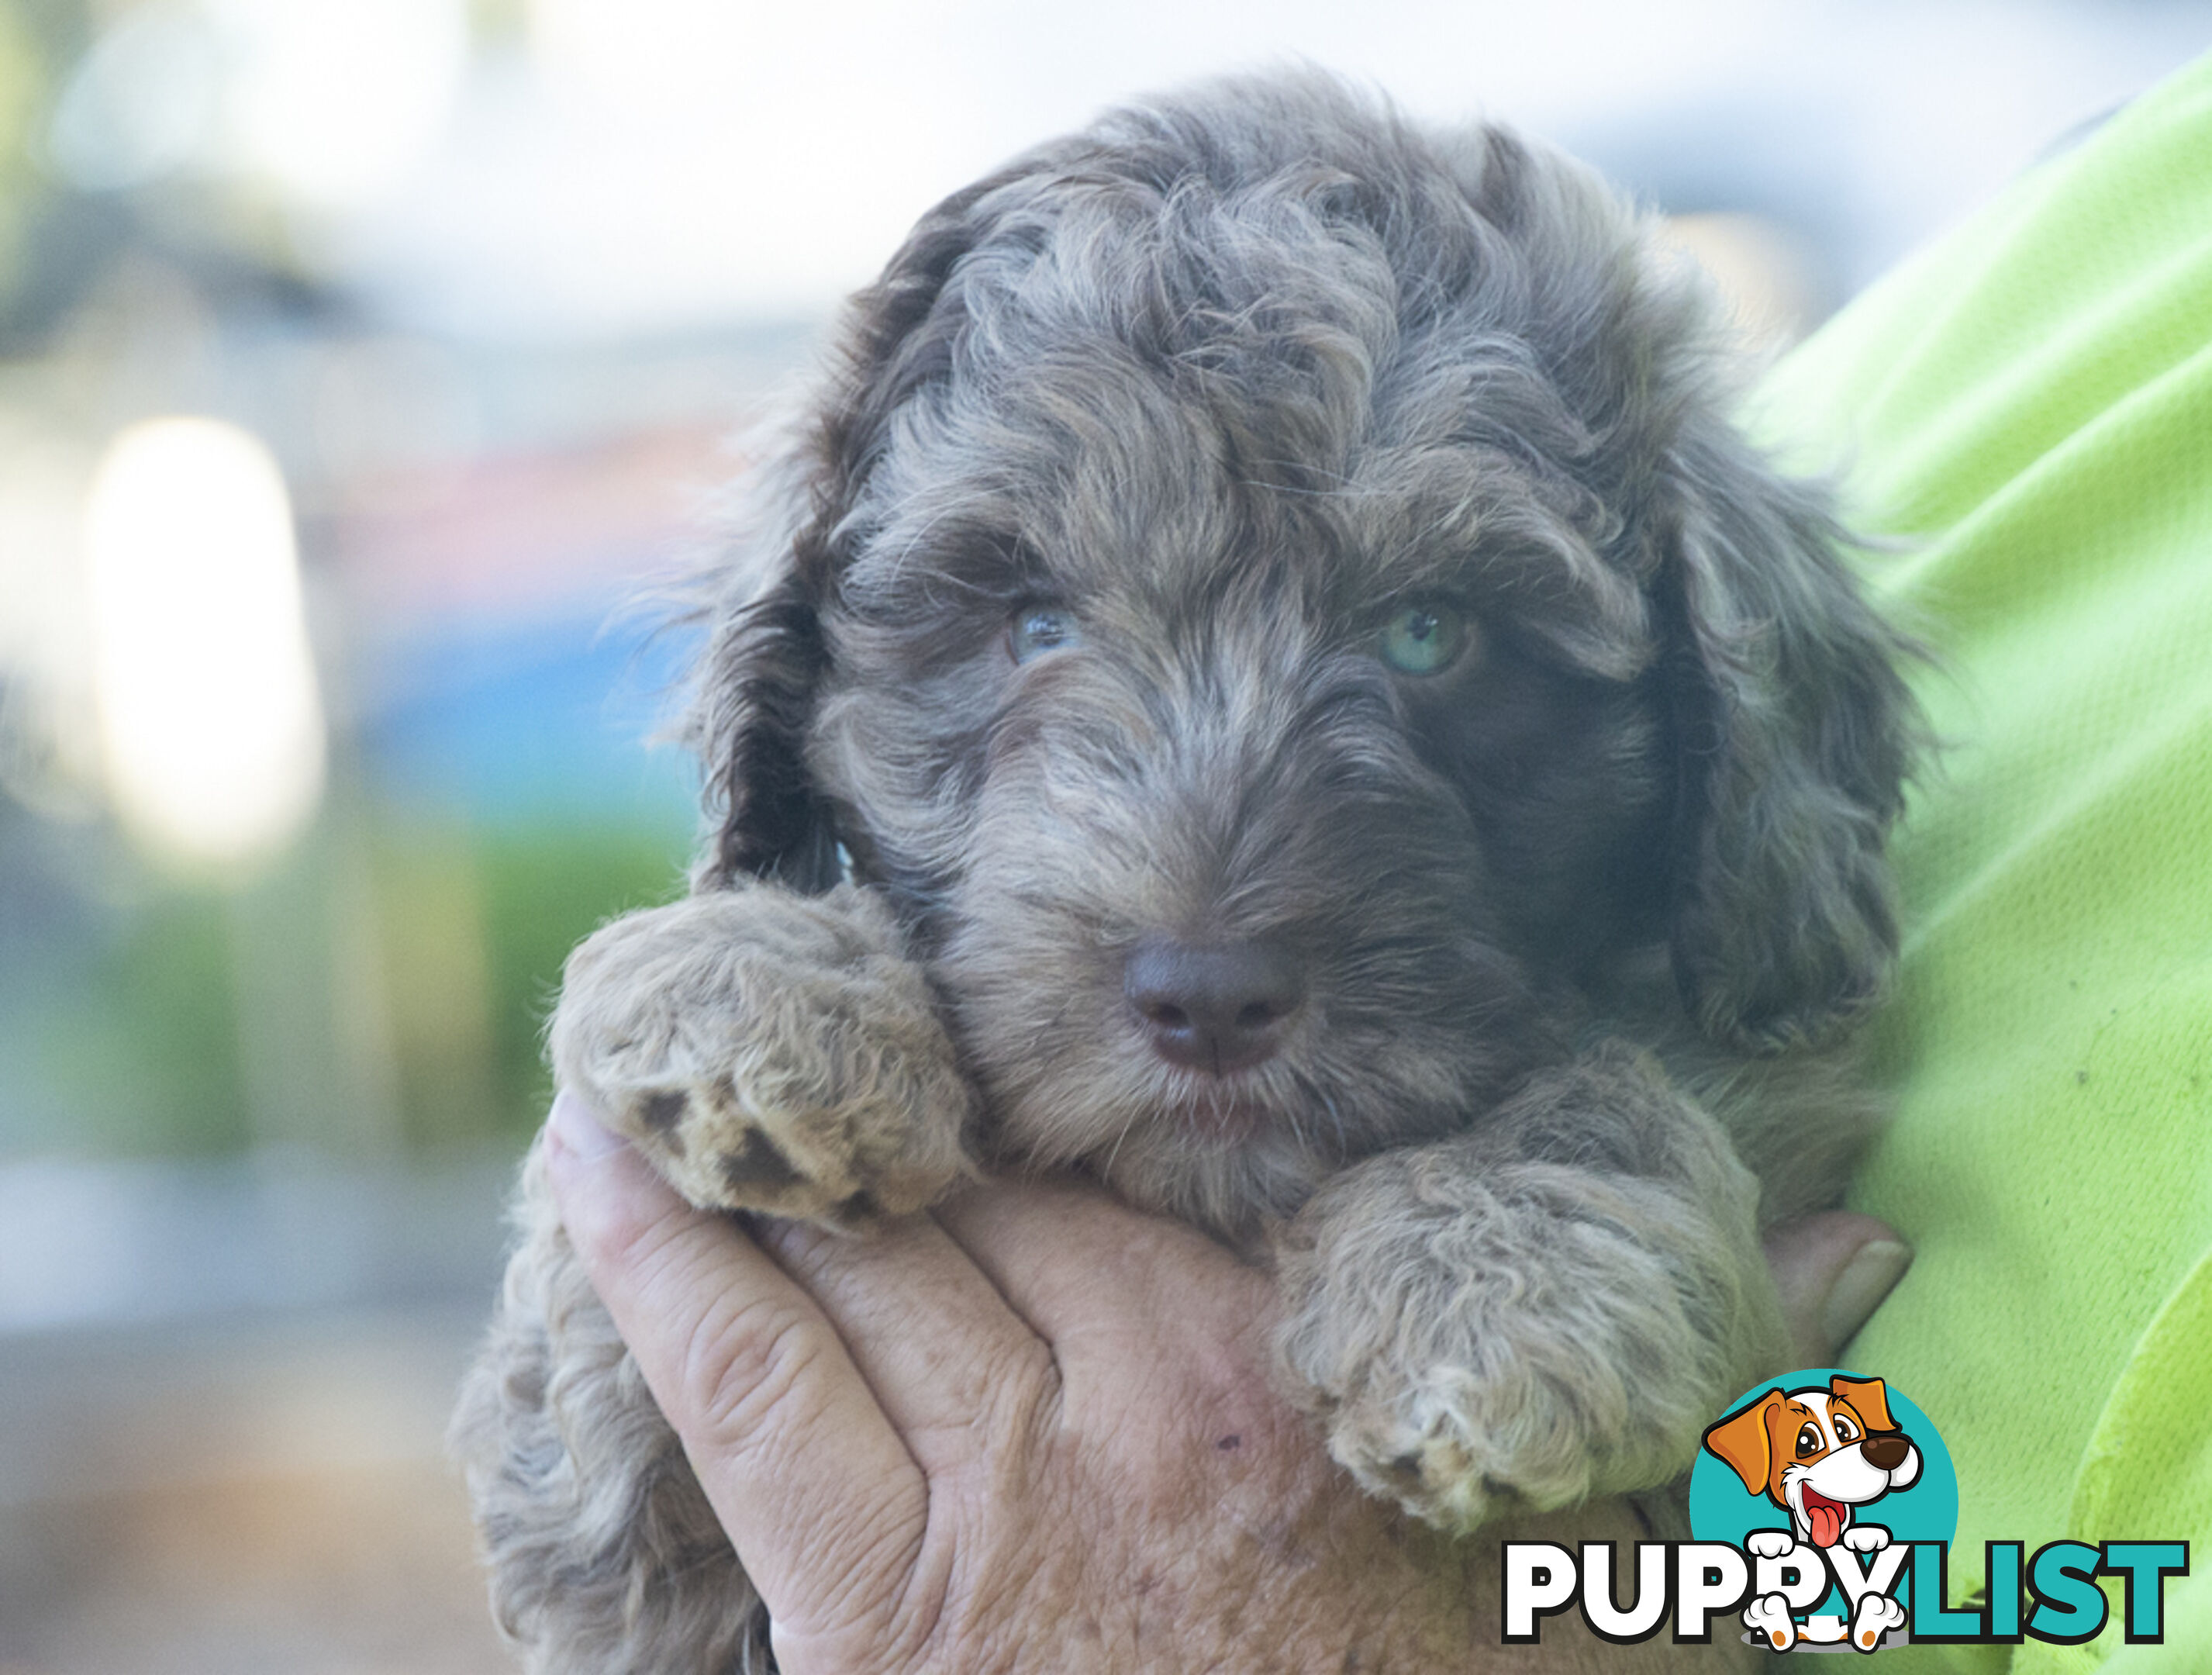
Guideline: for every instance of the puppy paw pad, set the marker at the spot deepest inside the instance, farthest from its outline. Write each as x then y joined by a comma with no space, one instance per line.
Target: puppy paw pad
758,1163
662,1113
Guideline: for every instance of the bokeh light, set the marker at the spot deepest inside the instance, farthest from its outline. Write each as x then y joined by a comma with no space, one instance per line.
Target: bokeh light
332,101
338,98
209,712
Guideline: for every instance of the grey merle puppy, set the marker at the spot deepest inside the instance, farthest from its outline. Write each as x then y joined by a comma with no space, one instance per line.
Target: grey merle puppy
1273,684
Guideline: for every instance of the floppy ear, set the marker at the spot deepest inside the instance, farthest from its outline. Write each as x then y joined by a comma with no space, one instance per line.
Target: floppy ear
1741,1441
766,655
1796,733
756,695
1869,1400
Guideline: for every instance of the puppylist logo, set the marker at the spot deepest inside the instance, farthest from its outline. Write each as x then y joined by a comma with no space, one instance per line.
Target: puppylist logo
1822,1506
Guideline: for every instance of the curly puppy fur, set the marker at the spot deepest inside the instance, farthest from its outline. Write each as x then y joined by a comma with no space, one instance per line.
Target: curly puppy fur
1274,685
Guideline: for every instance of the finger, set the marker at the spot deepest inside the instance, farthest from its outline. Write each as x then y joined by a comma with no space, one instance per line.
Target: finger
1833,1269
949,1361
1094,1278
821,1500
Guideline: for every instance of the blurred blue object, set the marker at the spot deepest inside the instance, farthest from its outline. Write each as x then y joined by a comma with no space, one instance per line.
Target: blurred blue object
542,721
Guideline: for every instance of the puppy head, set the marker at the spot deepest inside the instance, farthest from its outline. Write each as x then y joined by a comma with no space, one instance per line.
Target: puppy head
1816,1452
1251,551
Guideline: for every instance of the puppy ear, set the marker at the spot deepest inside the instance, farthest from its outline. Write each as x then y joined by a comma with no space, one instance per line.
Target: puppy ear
1741,1441
768,654
755,698
1869,1400
1795,732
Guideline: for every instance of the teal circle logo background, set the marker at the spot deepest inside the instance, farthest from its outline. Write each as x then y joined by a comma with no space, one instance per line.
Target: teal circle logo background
1722,1510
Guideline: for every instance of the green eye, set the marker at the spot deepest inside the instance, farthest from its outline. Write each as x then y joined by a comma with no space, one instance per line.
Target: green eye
1423,638
1037,629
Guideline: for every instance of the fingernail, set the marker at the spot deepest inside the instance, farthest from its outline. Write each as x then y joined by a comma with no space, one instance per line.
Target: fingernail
1866,1279
577,1127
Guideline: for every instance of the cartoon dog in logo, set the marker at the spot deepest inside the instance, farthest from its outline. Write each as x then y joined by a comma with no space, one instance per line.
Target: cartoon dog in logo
1819,1455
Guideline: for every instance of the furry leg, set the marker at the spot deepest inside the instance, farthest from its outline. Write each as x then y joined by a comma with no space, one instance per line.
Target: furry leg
605,1558
1550,1306
764,1051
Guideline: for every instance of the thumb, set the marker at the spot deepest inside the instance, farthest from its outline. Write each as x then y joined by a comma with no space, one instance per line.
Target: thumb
817,1490
1833,1269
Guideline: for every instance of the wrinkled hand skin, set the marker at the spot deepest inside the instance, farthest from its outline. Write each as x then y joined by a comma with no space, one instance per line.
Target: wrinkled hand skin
1132,1495
1291,1570
1211,1536
769,1051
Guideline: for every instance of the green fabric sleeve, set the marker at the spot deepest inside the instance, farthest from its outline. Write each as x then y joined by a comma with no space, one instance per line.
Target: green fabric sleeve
2027,406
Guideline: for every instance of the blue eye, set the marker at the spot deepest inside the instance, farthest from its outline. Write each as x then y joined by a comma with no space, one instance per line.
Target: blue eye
1037,629
1423,638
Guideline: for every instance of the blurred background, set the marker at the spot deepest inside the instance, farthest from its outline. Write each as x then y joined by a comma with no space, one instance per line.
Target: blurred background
364,364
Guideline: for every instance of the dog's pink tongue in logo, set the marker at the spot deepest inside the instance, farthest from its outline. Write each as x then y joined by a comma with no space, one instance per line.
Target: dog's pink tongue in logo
1826,1516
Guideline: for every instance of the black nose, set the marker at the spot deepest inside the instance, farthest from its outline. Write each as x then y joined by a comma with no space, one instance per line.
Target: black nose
1885,1450
1217,1009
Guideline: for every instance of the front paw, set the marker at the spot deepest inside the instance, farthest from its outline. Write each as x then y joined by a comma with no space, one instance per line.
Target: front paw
769,1051
1426,1442
1479,1341
1454,1446
1768,1616
1875,1615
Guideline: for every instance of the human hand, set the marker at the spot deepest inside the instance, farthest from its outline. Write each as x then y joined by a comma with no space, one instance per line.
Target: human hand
1035,1430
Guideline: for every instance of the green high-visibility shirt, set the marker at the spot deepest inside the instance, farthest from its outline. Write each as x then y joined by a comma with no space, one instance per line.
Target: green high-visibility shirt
2028,407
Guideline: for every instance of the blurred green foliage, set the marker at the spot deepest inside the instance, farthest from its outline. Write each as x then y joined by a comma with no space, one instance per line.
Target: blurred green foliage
541,894
23,83
148,1041
149,1048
